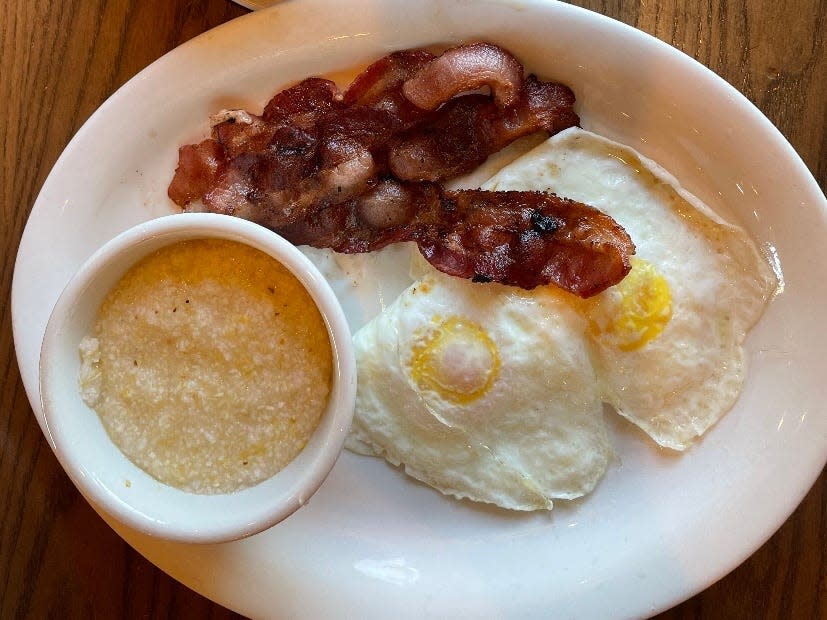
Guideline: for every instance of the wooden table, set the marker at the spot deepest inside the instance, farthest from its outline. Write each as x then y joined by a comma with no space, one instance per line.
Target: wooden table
61,60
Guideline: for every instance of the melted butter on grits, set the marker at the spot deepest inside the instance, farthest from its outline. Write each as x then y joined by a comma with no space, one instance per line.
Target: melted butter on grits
209,366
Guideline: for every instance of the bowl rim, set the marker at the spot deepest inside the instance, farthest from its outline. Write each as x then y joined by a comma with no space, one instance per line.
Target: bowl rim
326,442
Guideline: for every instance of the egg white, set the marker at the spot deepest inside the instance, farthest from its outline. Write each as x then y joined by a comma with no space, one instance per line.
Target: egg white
677,385
535,431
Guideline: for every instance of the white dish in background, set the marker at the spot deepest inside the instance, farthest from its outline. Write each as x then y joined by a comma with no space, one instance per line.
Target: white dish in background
659,527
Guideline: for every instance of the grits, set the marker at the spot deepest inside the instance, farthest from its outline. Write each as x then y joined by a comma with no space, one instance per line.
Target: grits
209,366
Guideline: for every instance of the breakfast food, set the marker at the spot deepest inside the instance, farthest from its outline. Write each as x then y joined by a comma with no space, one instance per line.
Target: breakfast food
667,340
663,347
524,239
358,170
314,146
209,365
483,392
476,377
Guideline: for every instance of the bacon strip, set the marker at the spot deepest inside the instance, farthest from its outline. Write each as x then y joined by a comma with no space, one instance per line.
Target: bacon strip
462,134
523,239
527,239
306,150
466,68
198,168
304,103
379,87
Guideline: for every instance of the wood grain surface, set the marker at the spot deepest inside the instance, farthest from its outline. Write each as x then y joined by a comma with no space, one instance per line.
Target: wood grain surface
61,60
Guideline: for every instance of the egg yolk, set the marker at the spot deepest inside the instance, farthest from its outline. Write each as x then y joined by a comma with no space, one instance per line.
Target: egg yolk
456,359
633,312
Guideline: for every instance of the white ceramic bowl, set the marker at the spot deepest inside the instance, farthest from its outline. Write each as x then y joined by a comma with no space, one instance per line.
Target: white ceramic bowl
101,471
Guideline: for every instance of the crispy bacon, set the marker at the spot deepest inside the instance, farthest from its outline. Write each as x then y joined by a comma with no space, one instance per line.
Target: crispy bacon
240,132
521,239
305,103
355,171
465,68
198,167
256,188
305,132
527,239
379,87
310,152
462,134
453,140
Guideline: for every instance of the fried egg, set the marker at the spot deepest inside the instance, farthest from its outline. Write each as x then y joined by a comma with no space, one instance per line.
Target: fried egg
483,392
495,394
666,343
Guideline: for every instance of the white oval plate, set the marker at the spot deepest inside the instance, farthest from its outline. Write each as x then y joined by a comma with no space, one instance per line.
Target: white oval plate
372,543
